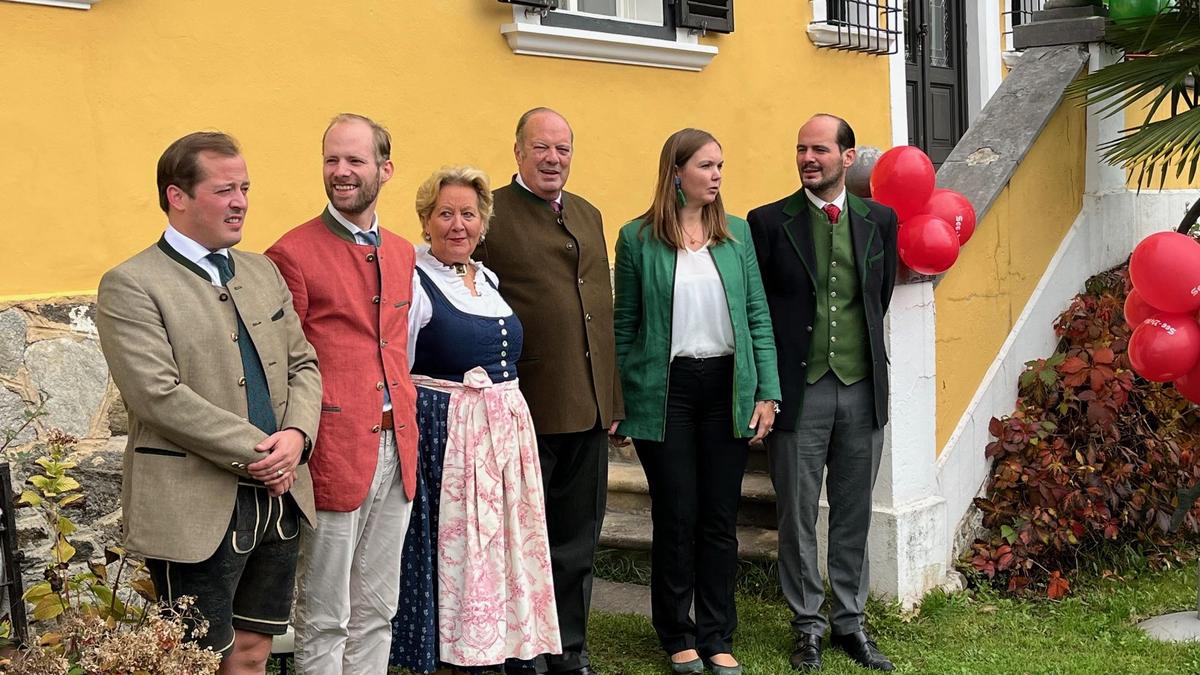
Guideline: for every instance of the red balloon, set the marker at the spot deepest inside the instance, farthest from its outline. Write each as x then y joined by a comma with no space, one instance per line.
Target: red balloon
927,245
1189,385
1165,347
903,179
1165,268
955,209
1137,309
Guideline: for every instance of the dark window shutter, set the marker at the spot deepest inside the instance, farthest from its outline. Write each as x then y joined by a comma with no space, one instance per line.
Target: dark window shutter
541,4
714,16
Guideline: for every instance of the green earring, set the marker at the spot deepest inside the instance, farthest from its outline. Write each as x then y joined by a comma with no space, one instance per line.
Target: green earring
679,196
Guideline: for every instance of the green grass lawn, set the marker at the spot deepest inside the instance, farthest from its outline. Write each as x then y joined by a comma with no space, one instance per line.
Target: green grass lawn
978,631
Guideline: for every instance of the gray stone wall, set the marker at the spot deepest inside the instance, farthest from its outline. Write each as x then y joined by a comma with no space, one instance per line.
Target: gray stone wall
49,349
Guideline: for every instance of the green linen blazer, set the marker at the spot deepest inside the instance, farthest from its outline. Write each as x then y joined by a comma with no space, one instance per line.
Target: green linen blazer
169,337
645,289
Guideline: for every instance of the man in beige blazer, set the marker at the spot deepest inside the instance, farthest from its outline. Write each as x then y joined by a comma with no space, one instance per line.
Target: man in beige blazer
224,397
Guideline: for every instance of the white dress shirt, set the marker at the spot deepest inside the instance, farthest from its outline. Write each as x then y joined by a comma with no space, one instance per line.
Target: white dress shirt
838,201
521,182
700,325
351,227
195,252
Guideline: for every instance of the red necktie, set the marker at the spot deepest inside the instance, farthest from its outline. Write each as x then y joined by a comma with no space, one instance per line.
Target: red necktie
555,207
832,211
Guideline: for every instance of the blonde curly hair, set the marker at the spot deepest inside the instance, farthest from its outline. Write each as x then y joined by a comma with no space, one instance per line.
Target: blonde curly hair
466,176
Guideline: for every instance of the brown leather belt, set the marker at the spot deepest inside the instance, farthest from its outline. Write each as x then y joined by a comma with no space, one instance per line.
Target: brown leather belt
386,423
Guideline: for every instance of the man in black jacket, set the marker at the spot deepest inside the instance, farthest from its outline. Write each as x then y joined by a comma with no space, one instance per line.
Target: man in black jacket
828,260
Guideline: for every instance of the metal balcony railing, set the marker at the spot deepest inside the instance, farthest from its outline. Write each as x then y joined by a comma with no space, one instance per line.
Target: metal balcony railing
1018,13
870,26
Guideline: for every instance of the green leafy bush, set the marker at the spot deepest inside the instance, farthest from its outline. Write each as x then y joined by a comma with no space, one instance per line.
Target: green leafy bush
1092,459
100,617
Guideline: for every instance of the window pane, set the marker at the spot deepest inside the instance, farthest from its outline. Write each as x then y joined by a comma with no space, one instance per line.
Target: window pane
637,10
606,7
644,10
939,33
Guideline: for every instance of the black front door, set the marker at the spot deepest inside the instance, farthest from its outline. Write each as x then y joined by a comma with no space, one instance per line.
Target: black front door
935,59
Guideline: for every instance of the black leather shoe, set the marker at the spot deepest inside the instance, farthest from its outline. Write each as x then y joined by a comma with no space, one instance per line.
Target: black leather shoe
520,667
807,654
860,647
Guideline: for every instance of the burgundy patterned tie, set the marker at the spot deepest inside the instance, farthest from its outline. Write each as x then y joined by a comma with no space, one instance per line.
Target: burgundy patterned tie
556,207
832,211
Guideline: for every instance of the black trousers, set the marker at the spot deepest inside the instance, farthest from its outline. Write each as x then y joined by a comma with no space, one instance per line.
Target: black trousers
695,480
575,480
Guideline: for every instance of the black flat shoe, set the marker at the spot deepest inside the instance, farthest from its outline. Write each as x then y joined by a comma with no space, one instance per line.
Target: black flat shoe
861,648
806,656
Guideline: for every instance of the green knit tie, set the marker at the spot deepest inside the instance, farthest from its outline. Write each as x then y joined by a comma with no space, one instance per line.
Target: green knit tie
258,396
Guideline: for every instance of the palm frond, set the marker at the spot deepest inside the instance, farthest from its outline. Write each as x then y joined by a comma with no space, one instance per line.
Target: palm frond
1160,69
1126,83
1159,34
1153,148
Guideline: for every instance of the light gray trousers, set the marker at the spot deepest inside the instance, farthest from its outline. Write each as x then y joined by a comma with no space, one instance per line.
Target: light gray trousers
836,430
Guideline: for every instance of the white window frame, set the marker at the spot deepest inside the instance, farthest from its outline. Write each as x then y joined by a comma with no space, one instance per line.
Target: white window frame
1010,53
984,53
68,4
624,7
824,35
527,35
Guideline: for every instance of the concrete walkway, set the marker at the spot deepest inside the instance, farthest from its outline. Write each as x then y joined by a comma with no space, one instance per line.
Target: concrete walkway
612,597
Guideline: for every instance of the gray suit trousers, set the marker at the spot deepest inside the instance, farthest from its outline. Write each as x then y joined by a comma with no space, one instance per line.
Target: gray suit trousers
836,431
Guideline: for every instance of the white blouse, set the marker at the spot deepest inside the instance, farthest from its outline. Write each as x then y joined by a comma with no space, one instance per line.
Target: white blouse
700,325
488,303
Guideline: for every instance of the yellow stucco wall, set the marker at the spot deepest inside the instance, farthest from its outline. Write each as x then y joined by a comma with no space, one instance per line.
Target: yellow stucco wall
981,297
1134,116
92,98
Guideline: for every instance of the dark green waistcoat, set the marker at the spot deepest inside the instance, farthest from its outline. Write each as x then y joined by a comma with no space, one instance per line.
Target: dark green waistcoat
839,341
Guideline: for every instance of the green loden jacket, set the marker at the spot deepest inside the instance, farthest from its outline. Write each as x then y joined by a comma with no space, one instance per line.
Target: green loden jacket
645,283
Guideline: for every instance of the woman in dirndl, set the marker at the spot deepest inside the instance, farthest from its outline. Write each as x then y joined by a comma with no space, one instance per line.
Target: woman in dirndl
476,587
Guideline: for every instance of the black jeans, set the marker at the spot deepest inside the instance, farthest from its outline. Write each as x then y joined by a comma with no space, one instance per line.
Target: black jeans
695,479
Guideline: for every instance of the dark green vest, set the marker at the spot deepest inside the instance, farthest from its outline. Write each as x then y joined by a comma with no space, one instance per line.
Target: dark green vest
840,341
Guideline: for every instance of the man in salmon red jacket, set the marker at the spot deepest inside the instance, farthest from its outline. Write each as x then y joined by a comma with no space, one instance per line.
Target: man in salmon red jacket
352,284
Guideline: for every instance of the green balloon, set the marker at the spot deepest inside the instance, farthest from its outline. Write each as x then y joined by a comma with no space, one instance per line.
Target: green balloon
1132,9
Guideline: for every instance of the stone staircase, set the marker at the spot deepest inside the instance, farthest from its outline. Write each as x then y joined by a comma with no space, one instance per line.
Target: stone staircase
627,522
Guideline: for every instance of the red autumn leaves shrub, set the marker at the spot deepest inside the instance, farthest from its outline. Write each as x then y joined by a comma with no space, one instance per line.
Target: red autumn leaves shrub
1092,458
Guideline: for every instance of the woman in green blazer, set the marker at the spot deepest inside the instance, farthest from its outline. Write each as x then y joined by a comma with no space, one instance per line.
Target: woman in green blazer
697,361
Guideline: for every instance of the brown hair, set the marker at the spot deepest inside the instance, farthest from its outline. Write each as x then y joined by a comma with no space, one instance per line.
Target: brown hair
845,134
662,218
379,135
180,167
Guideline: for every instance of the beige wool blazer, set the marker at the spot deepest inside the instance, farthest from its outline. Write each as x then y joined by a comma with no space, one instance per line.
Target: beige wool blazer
170,339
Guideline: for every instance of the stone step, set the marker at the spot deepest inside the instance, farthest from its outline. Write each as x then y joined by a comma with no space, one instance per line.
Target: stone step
626,453
629,493
632,531
758,460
